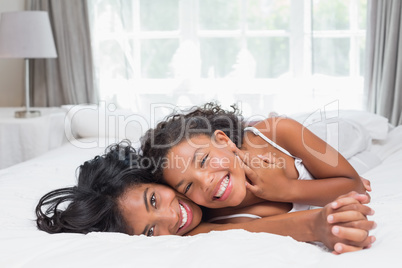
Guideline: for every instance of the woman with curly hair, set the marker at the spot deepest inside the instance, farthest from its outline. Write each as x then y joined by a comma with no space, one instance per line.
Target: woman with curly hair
114,194
199,154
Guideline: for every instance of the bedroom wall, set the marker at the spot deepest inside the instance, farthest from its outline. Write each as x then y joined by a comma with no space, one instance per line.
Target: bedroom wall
11,70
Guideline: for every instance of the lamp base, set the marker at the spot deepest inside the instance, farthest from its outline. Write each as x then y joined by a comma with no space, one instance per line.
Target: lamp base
27,114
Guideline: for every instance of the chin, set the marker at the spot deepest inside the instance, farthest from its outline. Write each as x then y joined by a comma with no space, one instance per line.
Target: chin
242,196
239,195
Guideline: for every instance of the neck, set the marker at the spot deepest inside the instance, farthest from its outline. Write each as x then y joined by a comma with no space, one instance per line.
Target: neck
250,199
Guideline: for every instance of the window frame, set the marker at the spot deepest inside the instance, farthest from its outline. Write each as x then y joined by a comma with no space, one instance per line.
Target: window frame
301,38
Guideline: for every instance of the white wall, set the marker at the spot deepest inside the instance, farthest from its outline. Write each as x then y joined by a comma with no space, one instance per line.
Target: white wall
12,70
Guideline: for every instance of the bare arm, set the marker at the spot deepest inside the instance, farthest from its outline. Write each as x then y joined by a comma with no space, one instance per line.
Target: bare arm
334,175
349,226
298,225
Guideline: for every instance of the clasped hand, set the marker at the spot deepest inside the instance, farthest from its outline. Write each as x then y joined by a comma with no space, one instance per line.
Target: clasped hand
341,225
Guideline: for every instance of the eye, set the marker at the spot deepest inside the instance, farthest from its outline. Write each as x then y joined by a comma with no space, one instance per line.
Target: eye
152,201
187,188
151,231
204,160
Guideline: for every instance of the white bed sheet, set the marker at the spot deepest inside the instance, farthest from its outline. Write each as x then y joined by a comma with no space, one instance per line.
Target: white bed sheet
22,245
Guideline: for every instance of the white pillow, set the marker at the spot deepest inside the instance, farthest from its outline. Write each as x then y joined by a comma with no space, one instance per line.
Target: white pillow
346,136
364,161
92,121
384,148
376,125
82,120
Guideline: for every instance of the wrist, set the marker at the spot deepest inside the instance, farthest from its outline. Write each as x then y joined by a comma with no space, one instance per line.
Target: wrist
308,227
315,226
291,195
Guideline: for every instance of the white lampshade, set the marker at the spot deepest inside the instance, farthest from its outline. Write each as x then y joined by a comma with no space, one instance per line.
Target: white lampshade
26,34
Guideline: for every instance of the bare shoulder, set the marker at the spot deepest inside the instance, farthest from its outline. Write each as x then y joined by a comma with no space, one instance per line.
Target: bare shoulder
280,128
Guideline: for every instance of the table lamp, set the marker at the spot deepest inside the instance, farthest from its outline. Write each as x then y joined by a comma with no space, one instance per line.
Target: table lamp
27,35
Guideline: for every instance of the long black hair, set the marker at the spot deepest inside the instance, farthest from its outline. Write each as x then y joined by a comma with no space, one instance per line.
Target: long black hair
92,205
157,142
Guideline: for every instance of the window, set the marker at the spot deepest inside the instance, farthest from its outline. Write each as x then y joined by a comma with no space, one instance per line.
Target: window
282,55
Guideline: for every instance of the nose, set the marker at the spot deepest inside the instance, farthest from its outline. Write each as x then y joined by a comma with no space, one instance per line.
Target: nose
168,220
205,181
168,212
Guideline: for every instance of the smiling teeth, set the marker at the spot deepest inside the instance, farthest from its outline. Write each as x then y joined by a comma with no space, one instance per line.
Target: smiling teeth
223,187
184,214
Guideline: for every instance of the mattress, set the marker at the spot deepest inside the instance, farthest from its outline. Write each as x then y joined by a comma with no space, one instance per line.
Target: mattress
23,245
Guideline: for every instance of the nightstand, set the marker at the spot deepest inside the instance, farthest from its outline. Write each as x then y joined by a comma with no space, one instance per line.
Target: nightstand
24,138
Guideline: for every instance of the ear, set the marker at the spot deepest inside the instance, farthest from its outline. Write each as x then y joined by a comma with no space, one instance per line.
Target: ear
222,139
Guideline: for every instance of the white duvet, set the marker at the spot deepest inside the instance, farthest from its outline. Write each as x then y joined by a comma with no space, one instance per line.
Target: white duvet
22,245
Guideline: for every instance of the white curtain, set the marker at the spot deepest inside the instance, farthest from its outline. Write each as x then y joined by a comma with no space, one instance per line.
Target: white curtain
69,78
383,78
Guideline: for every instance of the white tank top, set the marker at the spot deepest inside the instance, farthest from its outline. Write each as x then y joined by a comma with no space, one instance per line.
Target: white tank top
240,215
304,174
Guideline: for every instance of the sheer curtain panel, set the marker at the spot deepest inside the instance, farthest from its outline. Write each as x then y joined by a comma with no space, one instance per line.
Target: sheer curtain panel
383,78
69,78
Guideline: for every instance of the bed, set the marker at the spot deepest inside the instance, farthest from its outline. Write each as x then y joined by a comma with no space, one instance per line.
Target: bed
375,149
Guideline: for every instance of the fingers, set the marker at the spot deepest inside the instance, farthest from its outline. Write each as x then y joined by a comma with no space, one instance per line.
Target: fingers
340,248
362,224
369,197
349,199
249,172
267,158
252,176
356,237
353,240
243,157
357,207
346,216
343,202
362,198
350,194
253,188
351,225
353,194
366,183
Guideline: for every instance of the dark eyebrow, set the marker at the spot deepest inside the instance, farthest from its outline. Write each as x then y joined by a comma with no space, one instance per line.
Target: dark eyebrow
146,199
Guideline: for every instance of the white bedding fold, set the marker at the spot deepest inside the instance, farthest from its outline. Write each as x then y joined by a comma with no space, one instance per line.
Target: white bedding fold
22,245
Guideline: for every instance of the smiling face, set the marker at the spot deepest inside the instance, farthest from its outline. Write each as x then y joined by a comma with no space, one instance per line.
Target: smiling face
155,209
207,171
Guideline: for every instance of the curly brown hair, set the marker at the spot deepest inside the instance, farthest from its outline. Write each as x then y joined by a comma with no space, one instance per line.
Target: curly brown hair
202,120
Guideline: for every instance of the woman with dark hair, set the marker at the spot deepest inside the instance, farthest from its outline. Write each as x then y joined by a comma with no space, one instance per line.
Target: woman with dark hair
92,203
114,194
112,190
302,169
